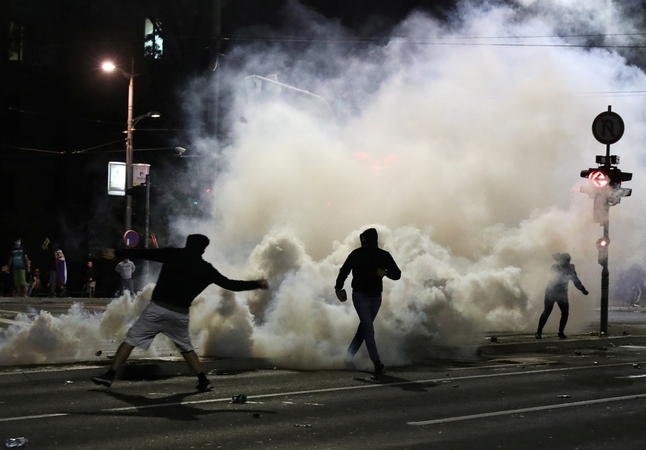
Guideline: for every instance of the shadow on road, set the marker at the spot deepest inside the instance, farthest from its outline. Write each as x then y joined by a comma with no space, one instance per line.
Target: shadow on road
173,407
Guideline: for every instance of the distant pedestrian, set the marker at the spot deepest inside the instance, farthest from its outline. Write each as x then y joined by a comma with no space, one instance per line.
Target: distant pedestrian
557,289
35,284
125,269
19,266
368,264
184,274
90,280
58,271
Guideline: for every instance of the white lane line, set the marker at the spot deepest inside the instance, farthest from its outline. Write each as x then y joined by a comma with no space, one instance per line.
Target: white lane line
526,410
337,389
11,322
633,376
39,416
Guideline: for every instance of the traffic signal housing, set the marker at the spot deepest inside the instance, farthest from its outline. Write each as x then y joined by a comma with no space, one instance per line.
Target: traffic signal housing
602,246
607,182
616,178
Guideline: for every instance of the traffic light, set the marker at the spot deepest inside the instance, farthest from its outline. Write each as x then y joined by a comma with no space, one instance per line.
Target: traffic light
611,178
599,177
602,246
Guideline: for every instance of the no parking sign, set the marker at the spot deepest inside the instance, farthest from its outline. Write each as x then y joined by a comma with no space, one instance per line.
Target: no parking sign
131,238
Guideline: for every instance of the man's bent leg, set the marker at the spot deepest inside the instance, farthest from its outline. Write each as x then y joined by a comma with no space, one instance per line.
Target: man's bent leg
122,354
193,361
120,357
565,313
367,308
549,305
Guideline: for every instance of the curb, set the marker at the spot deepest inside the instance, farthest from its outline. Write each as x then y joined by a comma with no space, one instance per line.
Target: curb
553,345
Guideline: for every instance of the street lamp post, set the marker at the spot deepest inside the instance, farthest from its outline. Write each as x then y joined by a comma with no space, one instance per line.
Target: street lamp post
130,127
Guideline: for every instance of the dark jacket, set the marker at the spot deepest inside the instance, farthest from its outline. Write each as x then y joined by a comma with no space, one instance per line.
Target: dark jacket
363,262
562,274
184,274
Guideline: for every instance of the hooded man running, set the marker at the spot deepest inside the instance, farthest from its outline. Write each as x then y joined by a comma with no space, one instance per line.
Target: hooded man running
184,275
368,264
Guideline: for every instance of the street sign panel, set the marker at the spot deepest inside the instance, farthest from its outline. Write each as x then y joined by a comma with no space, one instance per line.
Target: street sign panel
131,238
608,127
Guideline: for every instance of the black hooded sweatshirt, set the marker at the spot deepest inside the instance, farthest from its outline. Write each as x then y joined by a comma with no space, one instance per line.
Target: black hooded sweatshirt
184,273
363,262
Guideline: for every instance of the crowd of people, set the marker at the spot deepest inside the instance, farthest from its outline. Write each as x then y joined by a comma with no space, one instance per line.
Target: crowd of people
22,277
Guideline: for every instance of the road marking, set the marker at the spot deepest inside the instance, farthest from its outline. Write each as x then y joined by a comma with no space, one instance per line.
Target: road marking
39,416
11,322
355,387
633,376
526,410
363,386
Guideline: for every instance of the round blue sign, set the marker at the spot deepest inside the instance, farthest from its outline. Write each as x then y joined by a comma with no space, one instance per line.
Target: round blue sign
131,238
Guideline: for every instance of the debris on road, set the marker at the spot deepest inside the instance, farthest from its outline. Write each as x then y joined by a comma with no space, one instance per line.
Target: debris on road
239,398
16,442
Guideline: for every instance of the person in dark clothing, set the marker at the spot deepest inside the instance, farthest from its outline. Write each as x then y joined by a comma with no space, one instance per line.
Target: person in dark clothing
184,274
368,264
556,291
90,279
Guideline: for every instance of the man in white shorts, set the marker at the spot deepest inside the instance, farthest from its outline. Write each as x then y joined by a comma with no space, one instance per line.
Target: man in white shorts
184,275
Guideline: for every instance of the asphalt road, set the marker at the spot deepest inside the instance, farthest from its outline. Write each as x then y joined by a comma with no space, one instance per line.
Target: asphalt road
591,400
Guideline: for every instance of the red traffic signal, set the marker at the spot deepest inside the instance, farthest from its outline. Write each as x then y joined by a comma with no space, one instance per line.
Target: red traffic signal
602,245
598,177
607,176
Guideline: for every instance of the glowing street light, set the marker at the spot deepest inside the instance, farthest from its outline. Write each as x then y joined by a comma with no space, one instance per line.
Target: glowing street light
108,66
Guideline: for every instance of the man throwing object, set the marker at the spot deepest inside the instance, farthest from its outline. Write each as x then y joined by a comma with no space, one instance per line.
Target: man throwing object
183,276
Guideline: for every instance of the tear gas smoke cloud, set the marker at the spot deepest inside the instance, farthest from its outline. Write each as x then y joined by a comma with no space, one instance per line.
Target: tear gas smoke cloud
460,141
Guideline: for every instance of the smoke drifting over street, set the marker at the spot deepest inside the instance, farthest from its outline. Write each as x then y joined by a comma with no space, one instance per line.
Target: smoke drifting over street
461,142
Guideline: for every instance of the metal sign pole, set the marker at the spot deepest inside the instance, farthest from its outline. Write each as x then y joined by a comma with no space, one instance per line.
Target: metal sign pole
147,214
604,284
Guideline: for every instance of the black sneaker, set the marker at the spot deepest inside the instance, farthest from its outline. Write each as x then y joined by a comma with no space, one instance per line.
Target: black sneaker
379,368
204,386
537,335
562,336
102,380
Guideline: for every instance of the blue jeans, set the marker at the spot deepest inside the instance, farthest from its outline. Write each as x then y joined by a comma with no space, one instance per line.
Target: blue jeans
367,308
